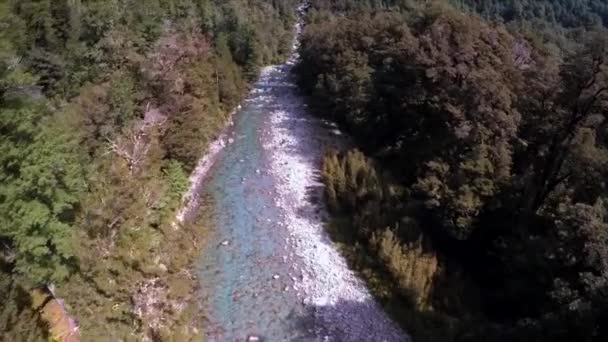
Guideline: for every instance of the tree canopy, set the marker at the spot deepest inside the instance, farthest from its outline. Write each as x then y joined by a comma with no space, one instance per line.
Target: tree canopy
488,158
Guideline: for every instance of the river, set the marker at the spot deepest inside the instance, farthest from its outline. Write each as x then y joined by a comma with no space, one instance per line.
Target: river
270,271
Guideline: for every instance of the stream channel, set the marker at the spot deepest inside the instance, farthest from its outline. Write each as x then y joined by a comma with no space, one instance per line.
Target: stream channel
270,270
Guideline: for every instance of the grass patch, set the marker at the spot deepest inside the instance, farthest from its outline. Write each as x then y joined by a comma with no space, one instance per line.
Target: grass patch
423,325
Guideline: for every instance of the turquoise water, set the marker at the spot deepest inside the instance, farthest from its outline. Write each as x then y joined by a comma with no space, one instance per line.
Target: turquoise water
246,268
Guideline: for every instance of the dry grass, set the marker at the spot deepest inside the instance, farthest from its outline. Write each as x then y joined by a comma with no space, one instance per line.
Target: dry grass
412,267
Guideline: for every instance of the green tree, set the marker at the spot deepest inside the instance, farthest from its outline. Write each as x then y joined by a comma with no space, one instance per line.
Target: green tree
42,180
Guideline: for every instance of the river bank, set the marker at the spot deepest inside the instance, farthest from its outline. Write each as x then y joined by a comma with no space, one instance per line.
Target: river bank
342,307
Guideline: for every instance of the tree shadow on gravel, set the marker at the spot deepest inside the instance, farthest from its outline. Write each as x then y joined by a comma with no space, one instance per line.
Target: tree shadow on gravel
345,321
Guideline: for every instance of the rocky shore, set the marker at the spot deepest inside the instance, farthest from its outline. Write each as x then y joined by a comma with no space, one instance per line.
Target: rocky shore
342,307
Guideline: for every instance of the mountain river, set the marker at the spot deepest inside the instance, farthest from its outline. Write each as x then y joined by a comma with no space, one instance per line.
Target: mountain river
270,270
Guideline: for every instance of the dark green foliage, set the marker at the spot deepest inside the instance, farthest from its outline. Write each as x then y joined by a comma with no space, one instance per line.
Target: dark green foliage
230,80
178,180
17,317
400,91
121,99
501,148
256,35
558,22
197,117
566,13
41,178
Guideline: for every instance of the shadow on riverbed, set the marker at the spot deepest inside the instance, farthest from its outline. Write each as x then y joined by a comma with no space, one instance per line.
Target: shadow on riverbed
343,321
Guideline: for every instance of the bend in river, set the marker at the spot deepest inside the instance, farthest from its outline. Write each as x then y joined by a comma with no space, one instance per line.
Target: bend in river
270,269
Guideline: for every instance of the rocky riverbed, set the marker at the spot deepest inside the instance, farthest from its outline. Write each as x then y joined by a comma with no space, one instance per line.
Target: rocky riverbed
342,308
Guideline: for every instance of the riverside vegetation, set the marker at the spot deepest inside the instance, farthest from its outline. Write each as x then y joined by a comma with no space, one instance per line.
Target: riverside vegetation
105,107
475,205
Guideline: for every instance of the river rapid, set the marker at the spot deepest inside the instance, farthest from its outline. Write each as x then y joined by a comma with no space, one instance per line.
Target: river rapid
270,270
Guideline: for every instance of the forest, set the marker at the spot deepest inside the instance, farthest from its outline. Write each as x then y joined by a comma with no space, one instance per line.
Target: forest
473,200
474,203
97,101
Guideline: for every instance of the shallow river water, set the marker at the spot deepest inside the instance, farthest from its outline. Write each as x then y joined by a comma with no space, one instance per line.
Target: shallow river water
270,270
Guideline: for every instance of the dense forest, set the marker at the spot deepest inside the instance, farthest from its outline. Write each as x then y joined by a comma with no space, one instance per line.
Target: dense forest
105,107
475,204
560,23
565,13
